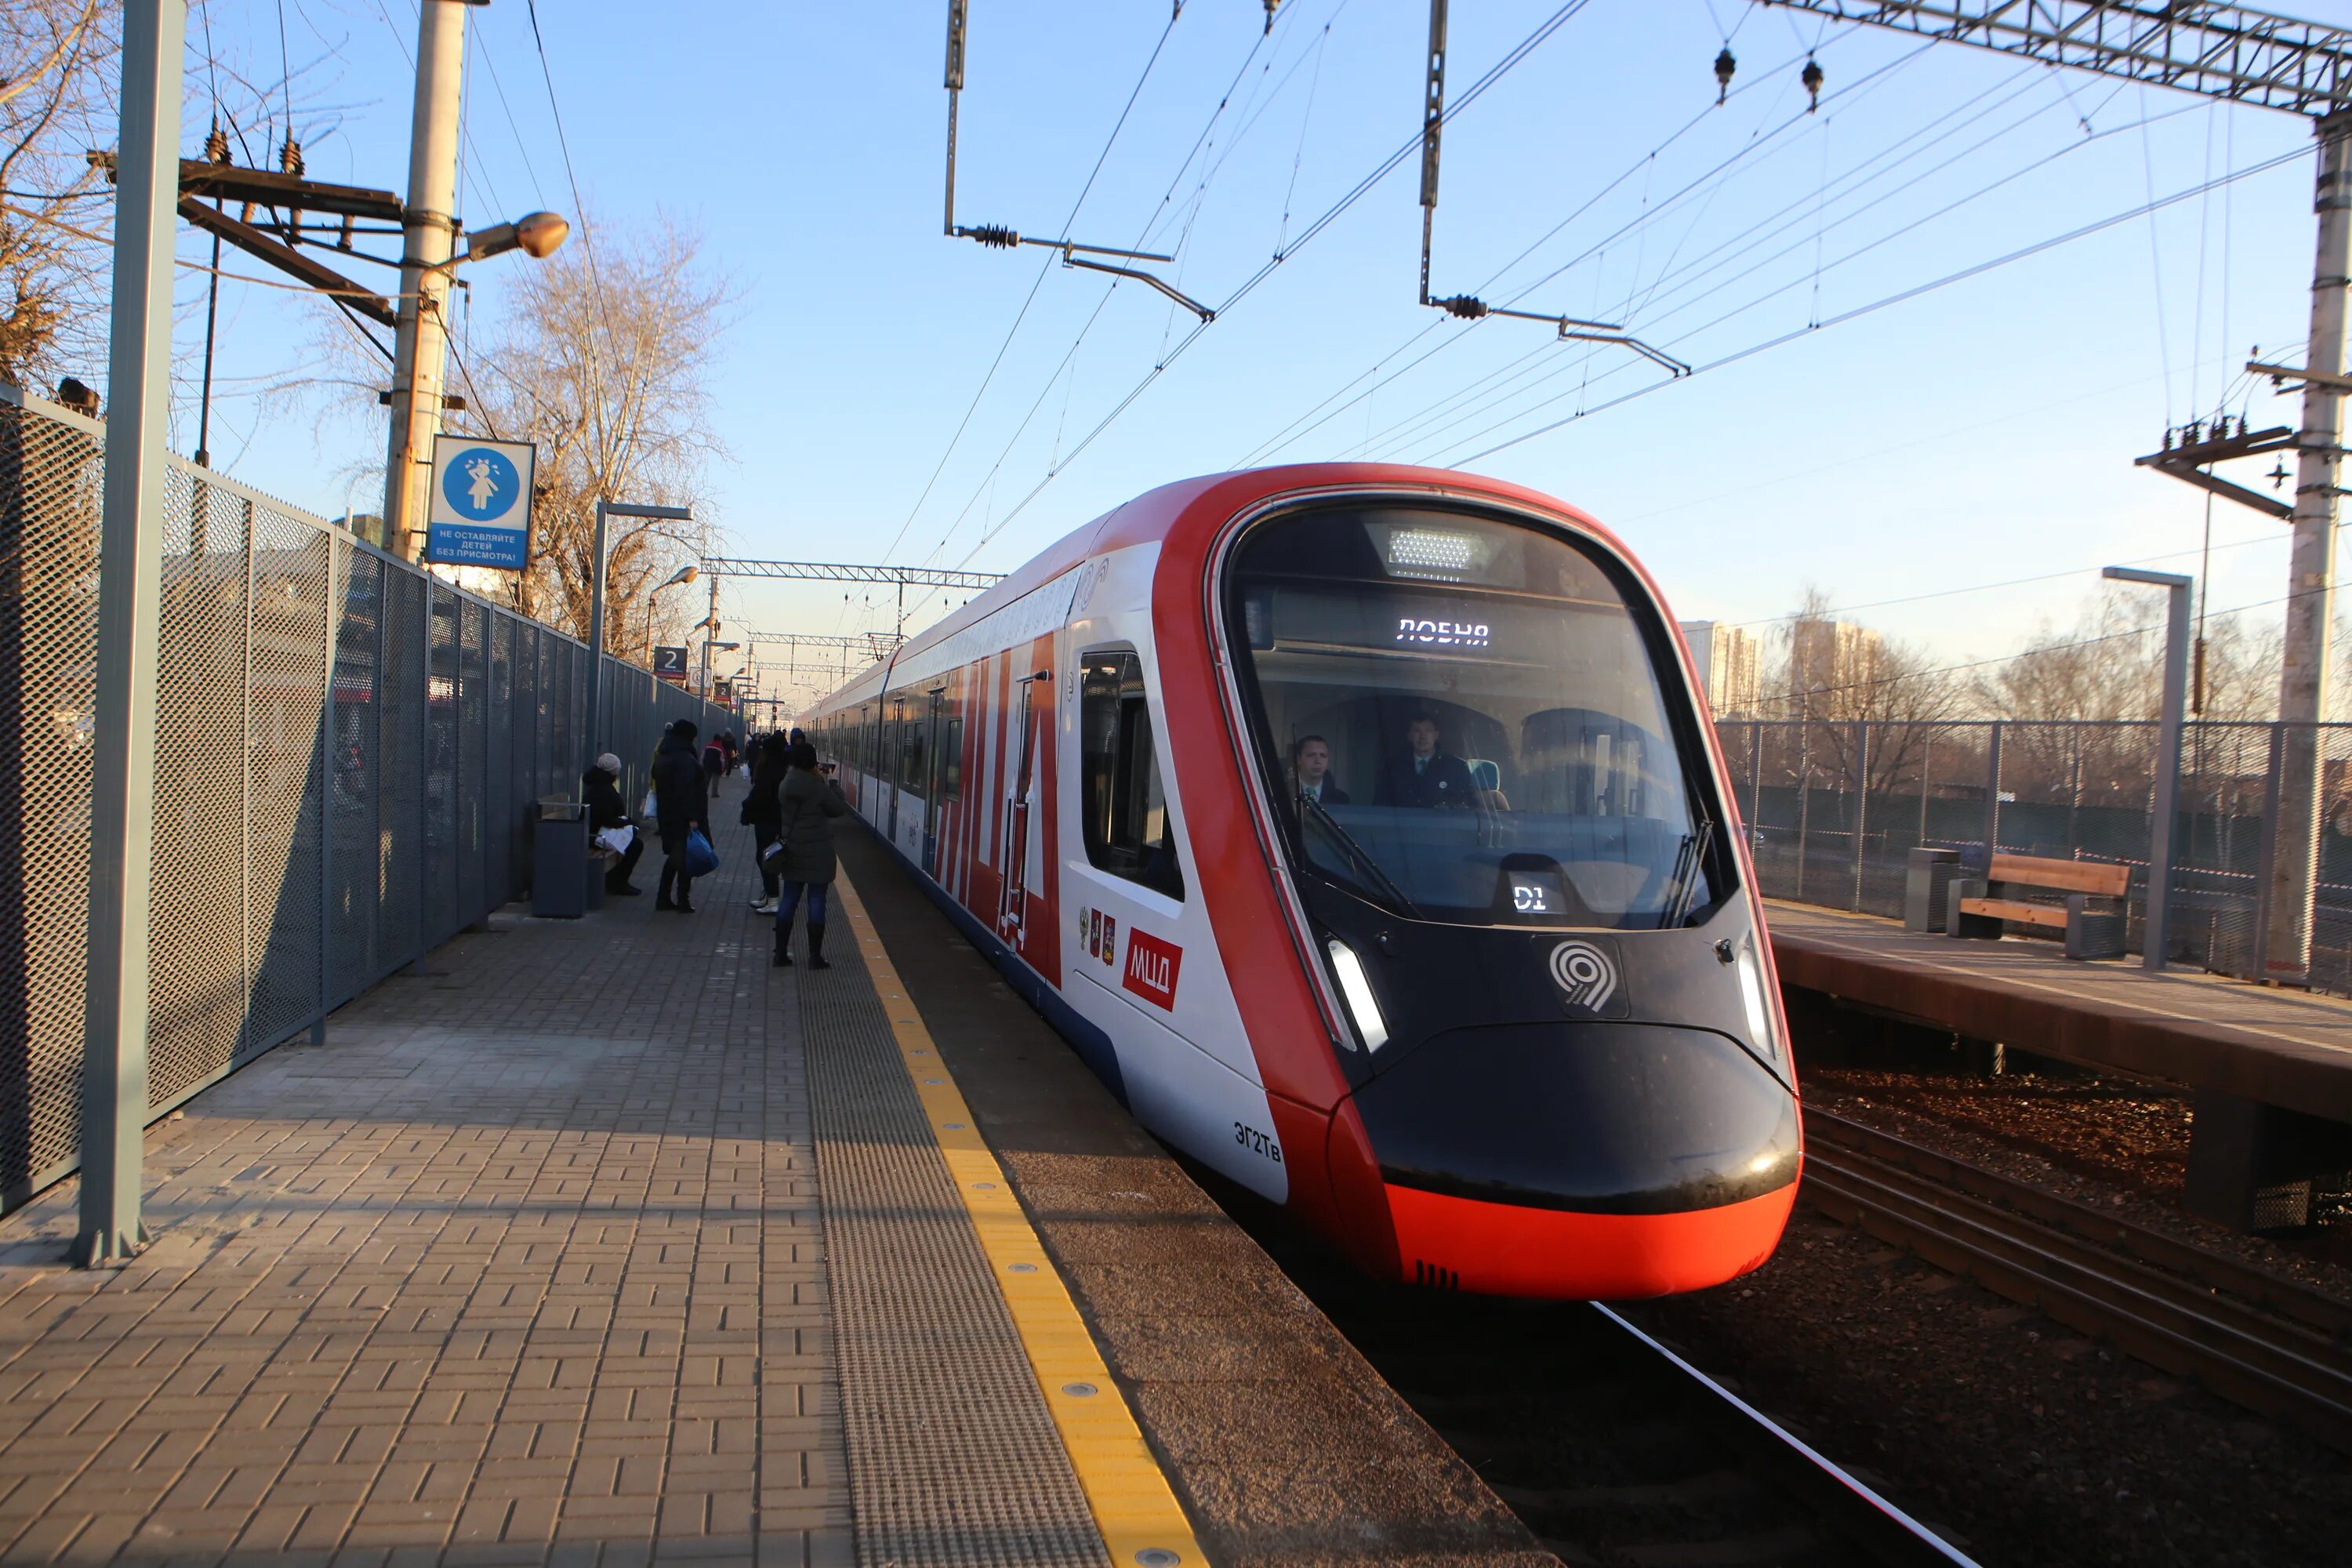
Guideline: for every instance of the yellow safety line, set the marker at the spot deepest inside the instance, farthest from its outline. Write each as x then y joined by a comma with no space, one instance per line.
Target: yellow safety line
1139,1516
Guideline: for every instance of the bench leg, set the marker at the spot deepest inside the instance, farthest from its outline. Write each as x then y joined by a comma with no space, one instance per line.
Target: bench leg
2093,933
1978,926
2253,1166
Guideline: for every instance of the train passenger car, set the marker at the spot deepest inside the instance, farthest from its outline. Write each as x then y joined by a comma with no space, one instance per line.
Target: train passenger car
1363,829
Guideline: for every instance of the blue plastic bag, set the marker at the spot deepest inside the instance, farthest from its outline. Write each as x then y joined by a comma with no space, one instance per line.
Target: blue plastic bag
701,860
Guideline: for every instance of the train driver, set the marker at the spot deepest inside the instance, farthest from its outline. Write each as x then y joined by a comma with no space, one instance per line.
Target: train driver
1429,777
1310,763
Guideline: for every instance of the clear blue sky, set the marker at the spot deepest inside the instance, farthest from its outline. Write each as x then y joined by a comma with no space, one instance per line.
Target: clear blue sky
1981,432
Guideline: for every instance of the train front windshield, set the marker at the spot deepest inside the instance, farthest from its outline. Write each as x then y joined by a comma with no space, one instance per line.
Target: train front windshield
1462,720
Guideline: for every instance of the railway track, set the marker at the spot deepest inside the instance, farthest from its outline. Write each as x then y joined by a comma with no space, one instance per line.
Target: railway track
1613,1450
2253,1338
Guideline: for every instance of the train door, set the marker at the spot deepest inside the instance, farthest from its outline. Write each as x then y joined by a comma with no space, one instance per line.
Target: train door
933,723
894,724
1020,807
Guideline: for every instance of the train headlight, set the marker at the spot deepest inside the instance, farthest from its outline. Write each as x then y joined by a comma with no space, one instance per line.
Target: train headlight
1356,987
1750,967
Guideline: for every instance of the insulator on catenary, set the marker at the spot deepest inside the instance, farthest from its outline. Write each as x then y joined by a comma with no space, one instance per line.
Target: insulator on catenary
217,144
289,156
1469,307
1726,64
996,235
1812,79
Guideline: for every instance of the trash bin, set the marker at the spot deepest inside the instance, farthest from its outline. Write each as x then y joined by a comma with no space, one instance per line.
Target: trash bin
1927,877
559,848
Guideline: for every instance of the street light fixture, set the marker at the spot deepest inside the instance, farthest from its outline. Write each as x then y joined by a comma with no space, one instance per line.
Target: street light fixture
683,574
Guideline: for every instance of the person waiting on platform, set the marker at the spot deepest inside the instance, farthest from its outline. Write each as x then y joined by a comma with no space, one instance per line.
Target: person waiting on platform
1310,764
804,851
682,802
1428,776
600,791
763,812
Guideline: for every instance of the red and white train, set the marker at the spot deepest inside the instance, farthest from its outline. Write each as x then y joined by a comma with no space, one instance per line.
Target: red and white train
1363,828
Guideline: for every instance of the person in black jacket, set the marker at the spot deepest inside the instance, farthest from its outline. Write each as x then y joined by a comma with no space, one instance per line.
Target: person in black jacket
809,801
763,811
1429,777
682,803
600,789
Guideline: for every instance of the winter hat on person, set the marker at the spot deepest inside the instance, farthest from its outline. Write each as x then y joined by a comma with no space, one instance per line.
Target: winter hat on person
610,764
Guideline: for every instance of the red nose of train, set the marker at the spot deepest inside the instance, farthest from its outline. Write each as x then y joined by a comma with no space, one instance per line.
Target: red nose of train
1585,1160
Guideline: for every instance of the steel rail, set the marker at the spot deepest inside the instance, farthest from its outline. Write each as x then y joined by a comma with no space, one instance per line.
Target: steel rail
2253,1338
1843,1502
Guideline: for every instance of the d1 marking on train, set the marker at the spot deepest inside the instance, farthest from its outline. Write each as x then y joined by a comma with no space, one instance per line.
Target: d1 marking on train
1152,968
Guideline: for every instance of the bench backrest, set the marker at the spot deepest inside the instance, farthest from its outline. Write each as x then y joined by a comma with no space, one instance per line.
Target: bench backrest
2066,876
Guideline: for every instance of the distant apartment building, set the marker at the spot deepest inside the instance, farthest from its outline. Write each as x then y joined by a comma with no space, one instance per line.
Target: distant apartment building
1730,667
1827,661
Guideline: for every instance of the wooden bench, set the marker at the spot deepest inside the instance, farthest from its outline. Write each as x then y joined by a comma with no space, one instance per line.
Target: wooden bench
1979,907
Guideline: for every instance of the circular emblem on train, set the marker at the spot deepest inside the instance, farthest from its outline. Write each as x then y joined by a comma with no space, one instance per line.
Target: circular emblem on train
1586,973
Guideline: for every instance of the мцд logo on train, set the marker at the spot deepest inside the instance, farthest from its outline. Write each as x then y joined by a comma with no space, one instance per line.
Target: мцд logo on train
1151,966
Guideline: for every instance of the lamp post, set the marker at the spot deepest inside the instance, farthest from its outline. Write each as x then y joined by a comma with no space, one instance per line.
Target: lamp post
683,574
605,509
2168,750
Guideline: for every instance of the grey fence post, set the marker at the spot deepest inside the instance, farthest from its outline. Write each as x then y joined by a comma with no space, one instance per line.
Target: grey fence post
326,754
2258,968
1992,793
1861,801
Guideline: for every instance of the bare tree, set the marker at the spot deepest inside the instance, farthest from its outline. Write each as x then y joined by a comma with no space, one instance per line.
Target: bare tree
603,357
56,101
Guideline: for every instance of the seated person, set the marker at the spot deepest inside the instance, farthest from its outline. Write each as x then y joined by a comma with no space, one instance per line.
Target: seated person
1429,777
1310,764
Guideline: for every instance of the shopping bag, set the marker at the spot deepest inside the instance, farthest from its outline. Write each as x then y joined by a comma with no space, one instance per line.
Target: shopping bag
618,839
650,809
701,860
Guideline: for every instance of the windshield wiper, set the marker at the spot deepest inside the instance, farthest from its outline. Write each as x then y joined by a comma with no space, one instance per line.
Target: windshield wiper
1686,858
1361,856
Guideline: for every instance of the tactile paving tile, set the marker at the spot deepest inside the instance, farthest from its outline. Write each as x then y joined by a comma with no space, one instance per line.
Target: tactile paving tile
953,1458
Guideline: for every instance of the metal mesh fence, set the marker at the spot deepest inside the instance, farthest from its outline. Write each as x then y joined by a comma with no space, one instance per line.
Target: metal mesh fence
347,750
1834,810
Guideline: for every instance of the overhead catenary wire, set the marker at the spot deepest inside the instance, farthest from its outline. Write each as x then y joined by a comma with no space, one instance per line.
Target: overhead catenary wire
1899,297
987,379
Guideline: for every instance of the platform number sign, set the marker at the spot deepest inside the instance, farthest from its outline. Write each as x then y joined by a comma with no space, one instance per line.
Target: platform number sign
669,663
480,513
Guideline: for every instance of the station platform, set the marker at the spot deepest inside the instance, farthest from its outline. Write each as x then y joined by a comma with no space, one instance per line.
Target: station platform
603,1241
2270,1070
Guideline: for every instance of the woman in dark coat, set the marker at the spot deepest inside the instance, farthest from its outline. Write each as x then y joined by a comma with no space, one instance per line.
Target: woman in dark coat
682,803
764,810
805,852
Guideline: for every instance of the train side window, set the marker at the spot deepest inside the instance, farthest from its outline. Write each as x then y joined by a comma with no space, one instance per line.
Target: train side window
1124,806
951,764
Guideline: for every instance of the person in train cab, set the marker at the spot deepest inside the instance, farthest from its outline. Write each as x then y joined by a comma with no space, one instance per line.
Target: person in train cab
600,791
763,812
682,803
805,852
1428,776
1310,764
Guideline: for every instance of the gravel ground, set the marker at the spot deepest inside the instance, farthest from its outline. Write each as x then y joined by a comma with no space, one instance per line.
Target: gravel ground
2027,1442
2110,1143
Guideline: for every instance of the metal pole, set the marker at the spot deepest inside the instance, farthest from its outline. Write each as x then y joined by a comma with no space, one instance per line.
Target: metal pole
709,635
122,775
1993,794
2179,590
595,638
421,343
2311,578
1861,801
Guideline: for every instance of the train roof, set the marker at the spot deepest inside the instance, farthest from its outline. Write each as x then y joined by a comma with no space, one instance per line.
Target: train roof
1183,507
